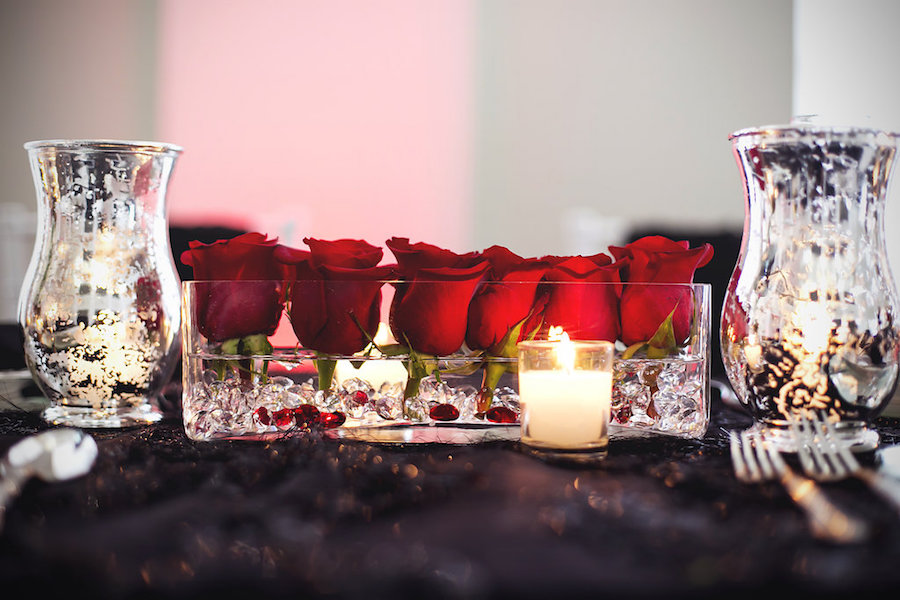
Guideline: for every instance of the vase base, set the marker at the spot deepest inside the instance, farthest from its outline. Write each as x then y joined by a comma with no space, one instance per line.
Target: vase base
567,456
854,435
102,418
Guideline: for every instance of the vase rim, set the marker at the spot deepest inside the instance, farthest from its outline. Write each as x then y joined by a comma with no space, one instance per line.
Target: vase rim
809,129
105,145
698,285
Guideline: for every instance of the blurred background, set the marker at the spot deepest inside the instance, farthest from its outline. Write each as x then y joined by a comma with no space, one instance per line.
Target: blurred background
546,126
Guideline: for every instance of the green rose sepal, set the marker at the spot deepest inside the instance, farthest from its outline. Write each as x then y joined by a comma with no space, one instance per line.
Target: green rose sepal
661,345
254,345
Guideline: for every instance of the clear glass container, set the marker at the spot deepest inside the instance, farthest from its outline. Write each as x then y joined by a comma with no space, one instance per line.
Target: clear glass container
240,386
100,304
809,320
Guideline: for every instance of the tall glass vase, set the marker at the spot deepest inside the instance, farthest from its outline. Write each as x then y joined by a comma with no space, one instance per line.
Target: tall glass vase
100,304
809,320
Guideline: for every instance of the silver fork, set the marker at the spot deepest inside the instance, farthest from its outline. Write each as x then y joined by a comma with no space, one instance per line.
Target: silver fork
825,458
756,461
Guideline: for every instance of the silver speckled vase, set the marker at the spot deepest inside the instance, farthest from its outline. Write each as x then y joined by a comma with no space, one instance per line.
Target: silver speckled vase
100,304
809,320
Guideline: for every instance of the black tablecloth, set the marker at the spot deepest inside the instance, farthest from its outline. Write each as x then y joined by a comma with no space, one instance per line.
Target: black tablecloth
160,515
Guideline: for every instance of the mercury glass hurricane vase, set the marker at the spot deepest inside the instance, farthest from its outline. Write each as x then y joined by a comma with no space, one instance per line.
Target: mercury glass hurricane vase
809,320
100,304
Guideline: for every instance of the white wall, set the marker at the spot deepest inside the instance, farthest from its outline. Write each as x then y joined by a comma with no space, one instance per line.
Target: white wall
609,110
845,65
845,61
72,70
845,71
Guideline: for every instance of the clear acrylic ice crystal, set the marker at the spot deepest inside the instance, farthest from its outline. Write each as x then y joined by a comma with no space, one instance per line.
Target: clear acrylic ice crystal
665,395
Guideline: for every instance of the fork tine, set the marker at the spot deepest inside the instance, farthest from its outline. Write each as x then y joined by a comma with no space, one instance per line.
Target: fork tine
762,457
840,450
823,467
737,459
804,455
825,445
753,471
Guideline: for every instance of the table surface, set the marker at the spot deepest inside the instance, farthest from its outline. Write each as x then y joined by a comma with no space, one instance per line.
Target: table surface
162,516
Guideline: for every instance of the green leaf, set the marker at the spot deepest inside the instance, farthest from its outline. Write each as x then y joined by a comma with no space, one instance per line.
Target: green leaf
508,346
662,344
393,350
633,349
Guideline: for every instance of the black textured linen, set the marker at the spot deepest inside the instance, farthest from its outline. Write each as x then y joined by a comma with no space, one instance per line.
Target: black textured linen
307,516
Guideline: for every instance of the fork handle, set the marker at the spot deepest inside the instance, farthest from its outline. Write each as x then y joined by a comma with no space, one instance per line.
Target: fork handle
887,488
827,520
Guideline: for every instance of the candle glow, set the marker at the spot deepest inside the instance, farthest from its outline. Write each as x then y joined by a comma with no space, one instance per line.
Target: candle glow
565,393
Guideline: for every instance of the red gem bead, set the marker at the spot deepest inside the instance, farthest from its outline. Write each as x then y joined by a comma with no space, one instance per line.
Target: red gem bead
262,415
501,414
360,397
623,414
332,419
444,412
306,415
283,418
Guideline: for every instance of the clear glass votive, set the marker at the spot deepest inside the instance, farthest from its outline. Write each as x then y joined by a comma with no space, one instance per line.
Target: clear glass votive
564,390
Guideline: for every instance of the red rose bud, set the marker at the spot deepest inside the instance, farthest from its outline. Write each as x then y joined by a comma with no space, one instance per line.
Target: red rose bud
350,254
336,298
227,309
237,309
658,260
246,257
504,302
413,257
585,311
429,311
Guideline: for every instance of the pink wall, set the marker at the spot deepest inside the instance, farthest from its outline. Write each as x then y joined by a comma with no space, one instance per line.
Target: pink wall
325,119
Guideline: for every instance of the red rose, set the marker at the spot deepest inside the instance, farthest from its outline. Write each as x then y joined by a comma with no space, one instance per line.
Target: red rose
506,299
429,310
335,293
658,260
412,257
246,257
243,295
583,298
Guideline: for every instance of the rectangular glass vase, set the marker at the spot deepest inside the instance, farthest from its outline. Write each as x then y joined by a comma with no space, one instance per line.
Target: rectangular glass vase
246,375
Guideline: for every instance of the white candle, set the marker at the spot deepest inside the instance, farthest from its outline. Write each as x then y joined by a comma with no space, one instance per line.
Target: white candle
565,389
565,409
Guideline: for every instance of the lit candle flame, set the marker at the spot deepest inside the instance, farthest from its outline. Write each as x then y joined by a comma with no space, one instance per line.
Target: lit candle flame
565,349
